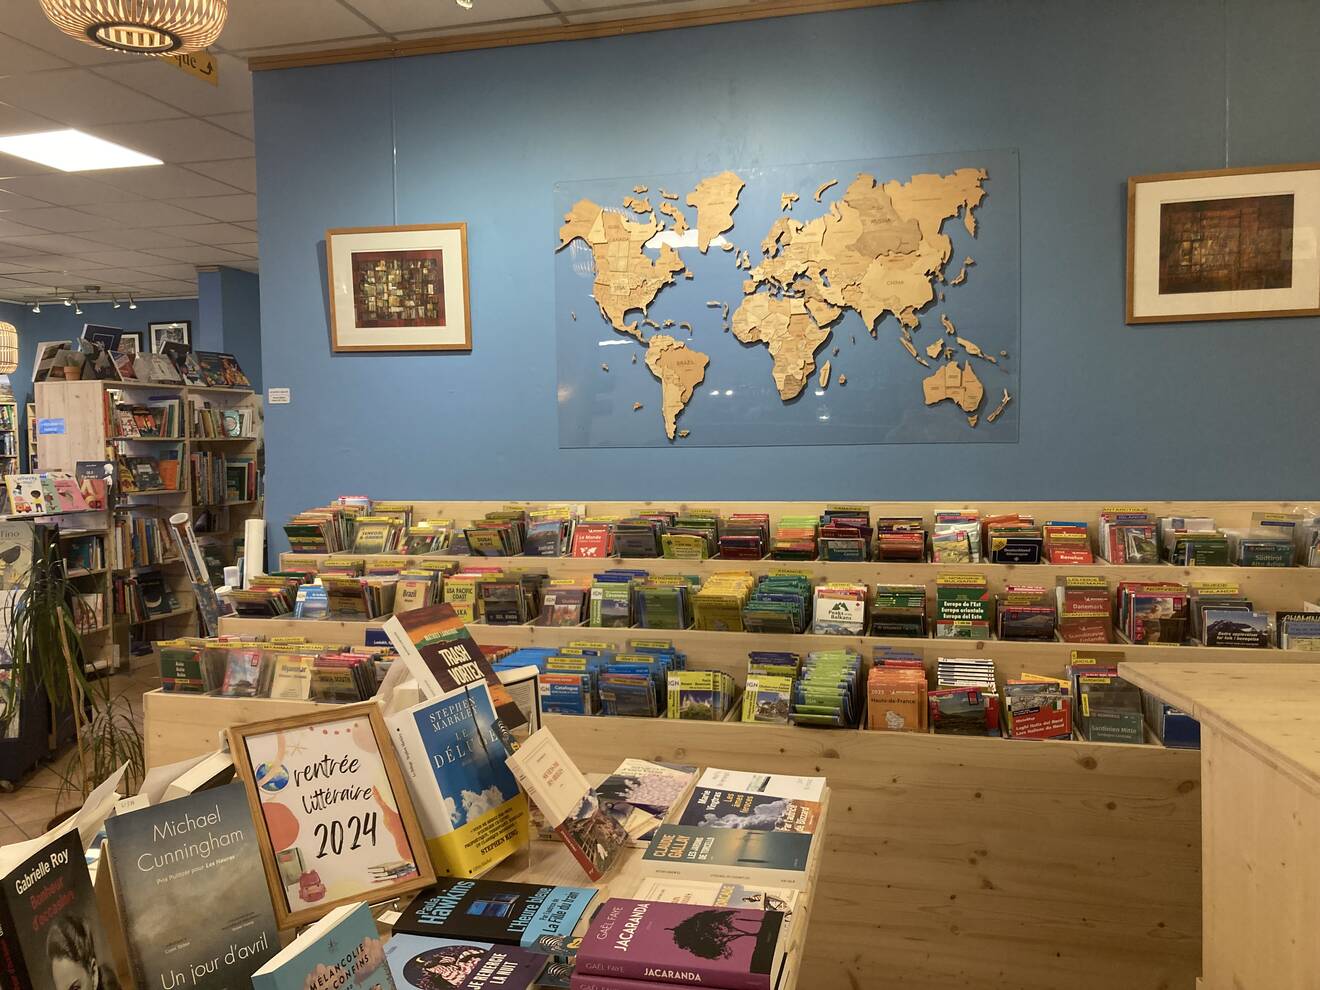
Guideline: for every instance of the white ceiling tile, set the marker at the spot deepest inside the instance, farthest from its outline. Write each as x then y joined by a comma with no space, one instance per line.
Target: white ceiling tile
184,139
8,267
78,98
20,284
228,208
55,243
336,44
37,262
135,238
240,172
171,271
163,80
247,250
16,121
13,201
197,254
59,219
397,17
144,213
239,123
107,276
18,56
213,233
25,20
116,259
260,23
162,182
246,266
9,228
62,189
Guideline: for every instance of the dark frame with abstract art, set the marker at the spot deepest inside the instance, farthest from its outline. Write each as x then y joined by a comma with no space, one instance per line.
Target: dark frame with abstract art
1224,244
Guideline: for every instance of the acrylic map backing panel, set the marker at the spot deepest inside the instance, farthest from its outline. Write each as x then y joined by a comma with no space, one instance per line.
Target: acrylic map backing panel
619,247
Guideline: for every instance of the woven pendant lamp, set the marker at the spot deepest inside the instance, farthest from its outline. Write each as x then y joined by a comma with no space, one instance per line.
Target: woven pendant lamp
8,348
147,27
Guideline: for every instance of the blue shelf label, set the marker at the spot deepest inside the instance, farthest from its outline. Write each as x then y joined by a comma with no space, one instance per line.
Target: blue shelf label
49,427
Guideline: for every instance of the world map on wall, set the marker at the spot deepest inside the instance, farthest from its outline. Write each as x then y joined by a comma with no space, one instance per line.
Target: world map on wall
883,305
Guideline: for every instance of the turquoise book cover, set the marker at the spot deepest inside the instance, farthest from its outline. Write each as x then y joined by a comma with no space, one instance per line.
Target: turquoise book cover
343,951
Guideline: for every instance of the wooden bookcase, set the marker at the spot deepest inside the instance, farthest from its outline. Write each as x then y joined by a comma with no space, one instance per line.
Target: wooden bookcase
89,434
9,459
30,424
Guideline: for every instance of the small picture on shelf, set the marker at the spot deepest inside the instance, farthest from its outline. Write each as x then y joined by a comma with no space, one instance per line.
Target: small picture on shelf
130,342
95,480
107,337
176,332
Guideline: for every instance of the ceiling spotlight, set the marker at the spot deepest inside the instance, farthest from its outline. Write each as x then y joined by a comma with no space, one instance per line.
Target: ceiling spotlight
36,307
465,4
146,27
68,301
76,308
114,301
131,303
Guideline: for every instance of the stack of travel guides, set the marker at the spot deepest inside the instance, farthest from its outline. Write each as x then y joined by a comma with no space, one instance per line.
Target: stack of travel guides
768,689
1084,609
1109,709
898,610
828,689
1025,612
1037,707
703,695
1067,543
1012,539
718,603
955,537
1189,541
962,606
896,692
745,536
845,533
839,609
1152,612
794,538
900,538
780,603
1127,535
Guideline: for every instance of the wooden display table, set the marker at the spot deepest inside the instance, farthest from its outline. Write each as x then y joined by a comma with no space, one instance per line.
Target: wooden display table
551,863
1260,829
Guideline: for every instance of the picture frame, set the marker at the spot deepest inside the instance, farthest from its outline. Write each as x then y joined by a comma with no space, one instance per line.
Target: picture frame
399,288
107,337
132,342
319,859
176,331
44,357
1224,244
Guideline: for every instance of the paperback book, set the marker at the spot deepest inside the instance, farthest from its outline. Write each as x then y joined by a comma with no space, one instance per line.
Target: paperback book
342,950
538,917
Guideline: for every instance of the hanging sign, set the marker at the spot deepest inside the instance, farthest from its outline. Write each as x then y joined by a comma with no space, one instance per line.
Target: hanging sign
200,64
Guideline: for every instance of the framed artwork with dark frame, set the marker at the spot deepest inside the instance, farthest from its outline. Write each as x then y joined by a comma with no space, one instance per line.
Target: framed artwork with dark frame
178,332
1224,244
399,288
335,823
131,342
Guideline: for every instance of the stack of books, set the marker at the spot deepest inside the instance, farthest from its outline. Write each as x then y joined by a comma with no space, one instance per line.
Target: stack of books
1025,612
828,689
718,604
1127,536
839,609
593,540
962,606
1067,543
781,603
1188,541
956,537
845,533
611,604
900,538
794,538
1085,614
1037,707
1152,612
564,602
1012,539
703,695
1297,630
896,699
898,610
745,536
768,691
1109,709
665,602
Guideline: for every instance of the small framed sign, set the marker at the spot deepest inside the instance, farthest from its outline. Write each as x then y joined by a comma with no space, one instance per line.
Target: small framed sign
334,819
179,332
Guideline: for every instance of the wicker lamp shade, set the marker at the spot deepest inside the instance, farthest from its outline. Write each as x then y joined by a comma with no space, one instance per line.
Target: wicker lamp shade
8,348
148,27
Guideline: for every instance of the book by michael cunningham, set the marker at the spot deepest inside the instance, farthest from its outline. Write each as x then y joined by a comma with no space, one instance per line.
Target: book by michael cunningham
688,944
191,891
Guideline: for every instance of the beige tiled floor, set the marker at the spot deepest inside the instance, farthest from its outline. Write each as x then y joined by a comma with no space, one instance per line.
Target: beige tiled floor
26,812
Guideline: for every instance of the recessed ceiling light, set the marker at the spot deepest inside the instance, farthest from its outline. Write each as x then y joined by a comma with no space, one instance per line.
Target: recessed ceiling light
73,151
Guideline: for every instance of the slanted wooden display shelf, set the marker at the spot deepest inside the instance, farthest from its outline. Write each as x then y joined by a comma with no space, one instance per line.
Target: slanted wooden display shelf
949,861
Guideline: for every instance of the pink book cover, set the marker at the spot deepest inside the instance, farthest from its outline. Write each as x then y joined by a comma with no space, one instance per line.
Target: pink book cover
686,944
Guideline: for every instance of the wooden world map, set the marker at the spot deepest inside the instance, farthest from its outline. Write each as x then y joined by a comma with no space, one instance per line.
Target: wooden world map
875,249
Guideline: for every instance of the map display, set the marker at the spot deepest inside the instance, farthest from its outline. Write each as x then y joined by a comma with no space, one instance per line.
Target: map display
872,301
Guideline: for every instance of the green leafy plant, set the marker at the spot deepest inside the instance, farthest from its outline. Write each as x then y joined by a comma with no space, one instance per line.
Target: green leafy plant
47,652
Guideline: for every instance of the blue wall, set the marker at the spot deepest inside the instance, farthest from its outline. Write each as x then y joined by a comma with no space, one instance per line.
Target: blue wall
1089,93
209,332
240,293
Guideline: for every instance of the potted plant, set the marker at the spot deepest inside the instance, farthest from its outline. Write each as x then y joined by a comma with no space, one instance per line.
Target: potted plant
46,651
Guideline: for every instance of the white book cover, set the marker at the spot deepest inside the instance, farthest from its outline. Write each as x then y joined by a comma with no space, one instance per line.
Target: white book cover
773,784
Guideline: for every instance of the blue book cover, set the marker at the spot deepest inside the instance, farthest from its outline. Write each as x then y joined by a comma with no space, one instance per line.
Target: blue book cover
341,950
419,962
539,917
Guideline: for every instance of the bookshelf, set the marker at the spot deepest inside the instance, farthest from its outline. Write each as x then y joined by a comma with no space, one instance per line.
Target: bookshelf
8,434
194,485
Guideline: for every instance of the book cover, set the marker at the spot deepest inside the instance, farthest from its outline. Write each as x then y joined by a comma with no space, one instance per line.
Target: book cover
191,891
686,944
50,933
419,962
452,752
342,951
719,808
742,855
539,917
568,803
441,654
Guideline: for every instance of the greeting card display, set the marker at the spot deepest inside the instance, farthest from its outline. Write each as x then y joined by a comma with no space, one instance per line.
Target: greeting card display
333,813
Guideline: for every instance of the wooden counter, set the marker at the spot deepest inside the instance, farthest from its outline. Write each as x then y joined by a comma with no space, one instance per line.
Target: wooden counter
1260,808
